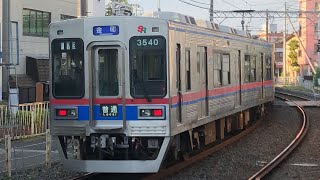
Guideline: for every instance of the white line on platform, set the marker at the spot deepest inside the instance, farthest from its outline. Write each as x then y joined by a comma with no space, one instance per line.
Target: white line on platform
305,164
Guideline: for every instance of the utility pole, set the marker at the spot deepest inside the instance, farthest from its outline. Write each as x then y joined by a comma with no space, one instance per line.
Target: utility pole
284,54
211,10
159,9
78,8
81,8
84,8
5,44
267,26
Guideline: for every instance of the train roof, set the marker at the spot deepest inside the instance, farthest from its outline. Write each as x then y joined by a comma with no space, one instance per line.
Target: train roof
177,17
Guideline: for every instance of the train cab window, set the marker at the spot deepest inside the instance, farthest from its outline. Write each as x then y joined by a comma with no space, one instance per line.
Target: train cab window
67,68
108,72
253,68
217,68
148,66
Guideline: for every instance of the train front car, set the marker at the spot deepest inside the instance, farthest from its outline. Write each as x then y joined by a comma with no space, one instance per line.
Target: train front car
109,93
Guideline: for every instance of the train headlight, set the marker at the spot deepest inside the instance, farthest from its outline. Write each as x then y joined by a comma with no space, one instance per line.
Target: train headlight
145,112
151,113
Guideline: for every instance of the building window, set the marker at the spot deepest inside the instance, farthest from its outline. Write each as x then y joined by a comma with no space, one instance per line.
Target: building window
315,27
281,54
299,53
35,23
300,28
65,17
315,48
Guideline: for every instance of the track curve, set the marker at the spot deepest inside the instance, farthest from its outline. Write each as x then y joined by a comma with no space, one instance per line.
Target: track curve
278,159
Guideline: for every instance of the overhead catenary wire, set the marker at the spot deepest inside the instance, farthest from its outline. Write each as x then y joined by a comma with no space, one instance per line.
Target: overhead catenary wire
200,2
193,5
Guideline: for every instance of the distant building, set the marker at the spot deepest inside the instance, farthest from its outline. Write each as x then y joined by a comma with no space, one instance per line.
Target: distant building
33,17
274,36
308,29
278,58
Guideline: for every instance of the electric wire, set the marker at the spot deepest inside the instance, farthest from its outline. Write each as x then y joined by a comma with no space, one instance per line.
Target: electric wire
193,4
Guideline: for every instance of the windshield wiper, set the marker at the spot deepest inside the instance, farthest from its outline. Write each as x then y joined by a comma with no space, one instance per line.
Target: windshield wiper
142,85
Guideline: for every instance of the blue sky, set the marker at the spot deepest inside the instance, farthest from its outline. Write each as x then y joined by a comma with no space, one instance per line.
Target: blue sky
254,24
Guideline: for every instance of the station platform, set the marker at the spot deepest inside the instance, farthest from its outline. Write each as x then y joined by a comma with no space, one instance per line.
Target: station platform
304,103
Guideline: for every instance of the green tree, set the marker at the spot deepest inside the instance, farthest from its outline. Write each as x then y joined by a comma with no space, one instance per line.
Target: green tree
293,55
316,76
109,6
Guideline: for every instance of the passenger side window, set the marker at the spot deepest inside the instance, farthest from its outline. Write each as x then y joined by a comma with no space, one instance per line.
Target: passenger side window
226,69
253,61
217,69
188,70
268,68
247,68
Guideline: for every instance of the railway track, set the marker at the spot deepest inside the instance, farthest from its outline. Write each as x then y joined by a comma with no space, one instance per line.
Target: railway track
278,159
285,95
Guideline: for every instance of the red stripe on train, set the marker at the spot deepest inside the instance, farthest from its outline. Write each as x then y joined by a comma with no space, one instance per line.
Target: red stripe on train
107,101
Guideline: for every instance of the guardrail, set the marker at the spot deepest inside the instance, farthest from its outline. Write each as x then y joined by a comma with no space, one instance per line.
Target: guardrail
24,120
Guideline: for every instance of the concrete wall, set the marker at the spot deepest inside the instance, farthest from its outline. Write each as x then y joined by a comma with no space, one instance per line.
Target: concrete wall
37,46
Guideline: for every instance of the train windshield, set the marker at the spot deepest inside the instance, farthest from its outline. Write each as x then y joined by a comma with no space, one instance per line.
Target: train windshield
67,68
148,66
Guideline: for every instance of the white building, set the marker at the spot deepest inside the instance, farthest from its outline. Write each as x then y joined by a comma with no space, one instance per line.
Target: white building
33,17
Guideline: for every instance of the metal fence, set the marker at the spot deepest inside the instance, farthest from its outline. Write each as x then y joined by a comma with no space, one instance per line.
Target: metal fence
289,81
25,120
22,155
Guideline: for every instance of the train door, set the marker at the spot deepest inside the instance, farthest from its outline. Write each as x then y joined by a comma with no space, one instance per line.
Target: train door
179,89
203,81
107,100
239,78
262,76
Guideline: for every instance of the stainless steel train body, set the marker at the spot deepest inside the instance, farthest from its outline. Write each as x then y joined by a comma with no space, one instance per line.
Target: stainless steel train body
124,87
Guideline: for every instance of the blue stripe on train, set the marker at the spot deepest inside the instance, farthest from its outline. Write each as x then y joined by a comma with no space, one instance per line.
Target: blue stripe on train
132,111
131,115
217,96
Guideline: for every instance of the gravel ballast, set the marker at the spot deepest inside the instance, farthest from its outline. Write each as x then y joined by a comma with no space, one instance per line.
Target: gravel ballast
244,158
304,162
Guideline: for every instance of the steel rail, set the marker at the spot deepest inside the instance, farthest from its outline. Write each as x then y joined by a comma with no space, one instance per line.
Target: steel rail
85,176
293,95
278,159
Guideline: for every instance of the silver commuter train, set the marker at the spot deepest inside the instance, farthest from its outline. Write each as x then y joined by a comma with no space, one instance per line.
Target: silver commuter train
129,92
